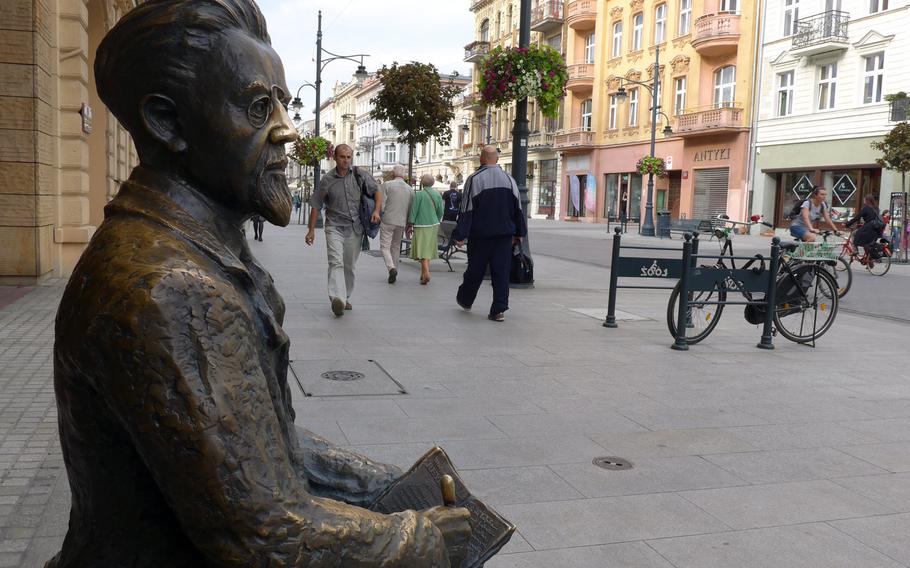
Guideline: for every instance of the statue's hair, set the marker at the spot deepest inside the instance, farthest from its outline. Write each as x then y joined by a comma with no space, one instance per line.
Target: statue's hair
158,47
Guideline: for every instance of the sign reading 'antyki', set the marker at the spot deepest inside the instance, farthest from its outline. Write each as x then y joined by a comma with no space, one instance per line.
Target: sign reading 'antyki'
712,155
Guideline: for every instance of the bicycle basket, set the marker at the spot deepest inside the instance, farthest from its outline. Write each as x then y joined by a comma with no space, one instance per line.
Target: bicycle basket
815,251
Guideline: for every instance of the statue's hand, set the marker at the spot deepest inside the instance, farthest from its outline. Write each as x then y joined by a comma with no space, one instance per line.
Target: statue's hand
453,523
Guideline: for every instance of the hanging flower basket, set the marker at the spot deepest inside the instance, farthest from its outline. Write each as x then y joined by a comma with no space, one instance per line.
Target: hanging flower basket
515,73
649,165
308,150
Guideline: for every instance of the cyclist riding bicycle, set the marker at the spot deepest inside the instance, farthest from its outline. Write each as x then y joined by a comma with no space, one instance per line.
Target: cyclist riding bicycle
872,226
810,211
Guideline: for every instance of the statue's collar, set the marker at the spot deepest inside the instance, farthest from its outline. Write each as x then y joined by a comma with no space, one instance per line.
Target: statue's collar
177,205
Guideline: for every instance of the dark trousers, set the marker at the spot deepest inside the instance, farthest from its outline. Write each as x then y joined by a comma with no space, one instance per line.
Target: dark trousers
495,252
257,229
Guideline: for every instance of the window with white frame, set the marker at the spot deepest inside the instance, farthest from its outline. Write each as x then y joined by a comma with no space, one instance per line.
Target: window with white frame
660,24
633,107
586,107
785,93
638,24
589,48
391,153
617,39
679,100
827,86
724,86
613,112
685,16
791,15
729,6
873,77
876,6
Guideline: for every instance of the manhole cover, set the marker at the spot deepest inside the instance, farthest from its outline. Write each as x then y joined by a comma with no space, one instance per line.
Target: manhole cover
610,462
343,375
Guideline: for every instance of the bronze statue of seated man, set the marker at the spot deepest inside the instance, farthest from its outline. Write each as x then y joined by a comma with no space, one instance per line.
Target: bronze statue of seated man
170,360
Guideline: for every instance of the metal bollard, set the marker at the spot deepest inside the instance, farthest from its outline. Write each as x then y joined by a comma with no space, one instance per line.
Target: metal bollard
611,304
681,317
770,299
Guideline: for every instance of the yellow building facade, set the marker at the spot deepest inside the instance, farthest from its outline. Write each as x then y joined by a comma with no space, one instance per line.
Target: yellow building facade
706,51
62,154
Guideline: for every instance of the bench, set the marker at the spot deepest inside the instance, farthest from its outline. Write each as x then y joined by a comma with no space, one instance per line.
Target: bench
444,243
692,226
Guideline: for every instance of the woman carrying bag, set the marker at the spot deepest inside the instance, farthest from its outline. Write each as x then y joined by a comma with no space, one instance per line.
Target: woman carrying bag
423,225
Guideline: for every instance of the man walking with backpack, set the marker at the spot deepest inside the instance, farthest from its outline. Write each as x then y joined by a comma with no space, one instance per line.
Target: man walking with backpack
806,213
339,192
492,221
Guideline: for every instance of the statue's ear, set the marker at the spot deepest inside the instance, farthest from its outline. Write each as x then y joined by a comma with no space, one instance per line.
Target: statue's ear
159,117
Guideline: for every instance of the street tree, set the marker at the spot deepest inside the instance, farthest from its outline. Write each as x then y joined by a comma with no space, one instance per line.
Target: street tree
416,103
895,149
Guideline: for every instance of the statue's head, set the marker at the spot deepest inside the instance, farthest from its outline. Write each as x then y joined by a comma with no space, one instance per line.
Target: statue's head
203,94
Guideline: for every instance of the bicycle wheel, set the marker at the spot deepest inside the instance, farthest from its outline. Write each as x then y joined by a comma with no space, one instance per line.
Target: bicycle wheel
703,318
880,266
806,303
843,275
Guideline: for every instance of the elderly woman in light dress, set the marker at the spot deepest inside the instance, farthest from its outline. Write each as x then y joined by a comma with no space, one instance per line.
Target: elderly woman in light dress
424,217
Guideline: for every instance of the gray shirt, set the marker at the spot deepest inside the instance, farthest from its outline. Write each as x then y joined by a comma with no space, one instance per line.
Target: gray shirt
396,200
340,196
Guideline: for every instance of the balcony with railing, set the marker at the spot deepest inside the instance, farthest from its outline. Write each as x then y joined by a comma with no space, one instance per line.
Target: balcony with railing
821,33
716,34
540,141
473,102
476,50
713,119
577,138
581,14
547,16
581,77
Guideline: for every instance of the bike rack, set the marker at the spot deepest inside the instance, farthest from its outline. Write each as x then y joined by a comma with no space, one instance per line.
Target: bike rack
642,267
708,278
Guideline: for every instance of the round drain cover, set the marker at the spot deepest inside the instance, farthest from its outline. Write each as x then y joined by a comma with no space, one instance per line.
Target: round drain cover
343,375
611,462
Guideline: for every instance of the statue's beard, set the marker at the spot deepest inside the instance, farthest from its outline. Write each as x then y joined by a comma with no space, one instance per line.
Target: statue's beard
272,197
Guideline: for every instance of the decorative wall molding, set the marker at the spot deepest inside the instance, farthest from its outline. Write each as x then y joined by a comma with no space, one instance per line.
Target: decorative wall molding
680,64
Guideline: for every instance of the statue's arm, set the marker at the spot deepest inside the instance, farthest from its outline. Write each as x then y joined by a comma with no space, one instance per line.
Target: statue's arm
185,382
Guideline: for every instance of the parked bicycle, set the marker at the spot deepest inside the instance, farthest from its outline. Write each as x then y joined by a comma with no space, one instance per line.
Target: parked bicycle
806,295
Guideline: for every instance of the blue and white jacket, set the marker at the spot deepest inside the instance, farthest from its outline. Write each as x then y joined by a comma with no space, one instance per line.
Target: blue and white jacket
490,206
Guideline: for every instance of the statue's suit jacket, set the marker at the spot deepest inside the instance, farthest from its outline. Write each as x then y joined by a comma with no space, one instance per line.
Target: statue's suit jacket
170,370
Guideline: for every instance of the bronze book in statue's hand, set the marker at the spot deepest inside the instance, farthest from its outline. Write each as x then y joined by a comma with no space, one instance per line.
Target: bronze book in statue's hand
419,488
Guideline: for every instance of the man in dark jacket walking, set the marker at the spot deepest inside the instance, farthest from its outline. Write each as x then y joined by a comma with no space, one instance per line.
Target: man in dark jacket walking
492,221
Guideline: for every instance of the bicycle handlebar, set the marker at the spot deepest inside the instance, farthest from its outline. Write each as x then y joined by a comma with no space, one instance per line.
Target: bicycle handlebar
747,223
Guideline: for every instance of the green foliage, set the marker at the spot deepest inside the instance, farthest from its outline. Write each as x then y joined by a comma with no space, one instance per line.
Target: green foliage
516,73
900,95
308,150
648,165
413,100
895,149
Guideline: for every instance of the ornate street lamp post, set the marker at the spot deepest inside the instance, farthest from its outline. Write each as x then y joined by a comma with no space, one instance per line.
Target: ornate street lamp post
520,133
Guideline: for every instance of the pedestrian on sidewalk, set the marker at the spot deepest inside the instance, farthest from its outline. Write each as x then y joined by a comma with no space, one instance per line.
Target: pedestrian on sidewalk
258,224
492,222
339,193
423,224
452,201
397,196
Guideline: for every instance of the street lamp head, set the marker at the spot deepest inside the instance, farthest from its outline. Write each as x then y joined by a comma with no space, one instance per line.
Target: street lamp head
297,104
620,94
297,118
668,131
361,74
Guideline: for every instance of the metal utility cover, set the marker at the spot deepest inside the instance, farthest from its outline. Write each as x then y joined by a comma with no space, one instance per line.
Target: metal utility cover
344,377
613,463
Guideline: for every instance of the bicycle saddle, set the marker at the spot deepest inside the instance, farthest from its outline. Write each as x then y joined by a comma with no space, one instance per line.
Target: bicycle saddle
789,246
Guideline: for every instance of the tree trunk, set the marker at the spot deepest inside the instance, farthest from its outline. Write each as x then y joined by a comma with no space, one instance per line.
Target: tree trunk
411,164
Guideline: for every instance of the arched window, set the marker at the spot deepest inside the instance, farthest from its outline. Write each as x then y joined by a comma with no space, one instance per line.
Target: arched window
660,24
617,39
725,86
638,24
485,30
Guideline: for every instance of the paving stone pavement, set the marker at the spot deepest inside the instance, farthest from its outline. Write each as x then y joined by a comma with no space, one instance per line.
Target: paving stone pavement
743,458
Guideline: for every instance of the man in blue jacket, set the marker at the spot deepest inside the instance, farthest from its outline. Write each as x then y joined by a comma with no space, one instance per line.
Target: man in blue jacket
492,221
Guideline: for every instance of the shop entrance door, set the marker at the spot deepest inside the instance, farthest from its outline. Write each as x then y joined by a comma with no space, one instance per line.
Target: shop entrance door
711,188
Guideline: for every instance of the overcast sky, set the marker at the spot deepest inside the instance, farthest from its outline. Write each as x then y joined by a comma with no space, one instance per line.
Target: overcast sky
429,31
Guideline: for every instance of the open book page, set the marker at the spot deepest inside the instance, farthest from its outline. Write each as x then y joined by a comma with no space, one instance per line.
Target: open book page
419,488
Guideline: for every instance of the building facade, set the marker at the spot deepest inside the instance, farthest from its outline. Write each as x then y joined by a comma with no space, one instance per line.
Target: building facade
701,52
825,71
62,154
496,24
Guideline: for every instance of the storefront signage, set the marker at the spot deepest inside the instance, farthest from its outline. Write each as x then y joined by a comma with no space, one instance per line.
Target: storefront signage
712,155
844,189
802,188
